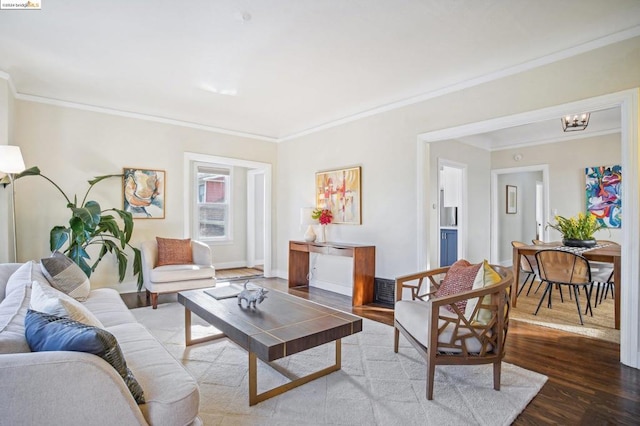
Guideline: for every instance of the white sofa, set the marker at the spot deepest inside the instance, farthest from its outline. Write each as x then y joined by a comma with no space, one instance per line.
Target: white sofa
76,388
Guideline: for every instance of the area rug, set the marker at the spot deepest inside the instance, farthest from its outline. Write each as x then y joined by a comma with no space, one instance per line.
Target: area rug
375,386
564,316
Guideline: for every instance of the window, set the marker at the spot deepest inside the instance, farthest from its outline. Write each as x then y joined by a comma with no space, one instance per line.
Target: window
212,209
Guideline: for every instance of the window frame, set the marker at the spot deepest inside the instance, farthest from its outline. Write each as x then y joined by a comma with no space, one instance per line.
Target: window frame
195,203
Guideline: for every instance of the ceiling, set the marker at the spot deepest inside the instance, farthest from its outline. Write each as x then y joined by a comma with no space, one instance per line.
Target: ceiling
280,68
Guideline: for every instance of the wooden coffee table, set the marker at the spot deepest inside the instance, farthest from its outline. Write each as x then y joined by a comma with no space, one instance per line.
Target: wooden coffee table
280,326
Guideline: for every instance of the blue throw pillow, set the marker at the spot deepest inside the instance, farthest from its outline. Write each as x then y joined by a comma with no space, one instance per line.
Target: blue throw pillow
46,332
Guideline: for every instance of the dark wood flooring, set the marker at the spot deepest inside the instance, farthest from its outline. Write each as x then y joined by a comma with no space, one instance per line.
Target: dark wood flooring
587,384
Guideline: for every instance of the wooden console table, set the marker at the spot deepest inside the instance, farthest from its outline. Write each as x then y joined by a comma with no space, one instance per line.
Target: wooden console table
364,265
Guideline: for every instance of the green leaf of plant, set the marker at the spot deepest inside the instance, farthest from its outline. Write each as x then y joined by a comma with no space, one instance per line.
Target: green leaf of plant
57,237
100,178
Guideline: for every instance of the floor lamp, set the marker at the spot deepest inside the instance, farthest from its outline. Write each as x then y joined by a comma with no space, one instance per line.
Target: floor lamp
11,163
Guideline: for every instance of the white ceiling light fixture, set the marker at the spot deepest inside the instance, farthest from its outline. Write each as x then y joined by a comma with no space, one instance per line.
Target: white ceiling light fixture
572,123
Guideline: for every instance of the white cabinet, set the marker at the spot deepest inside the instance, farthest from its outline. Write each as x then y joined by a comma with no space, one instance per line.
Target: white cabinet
451,182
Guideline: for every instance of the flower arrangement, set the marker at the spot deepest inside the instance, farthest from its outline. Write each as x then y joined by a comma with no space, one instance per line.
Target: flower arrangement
580,227
324,216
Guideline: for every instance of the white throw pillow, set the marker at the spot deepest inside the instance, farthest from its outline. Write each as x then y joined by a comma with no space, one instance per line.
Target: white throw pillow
24,276
48,300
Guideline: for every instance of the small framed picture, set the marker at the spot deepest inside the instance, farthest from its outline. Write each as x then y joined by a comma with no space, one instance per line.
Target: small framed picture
143,193
512,199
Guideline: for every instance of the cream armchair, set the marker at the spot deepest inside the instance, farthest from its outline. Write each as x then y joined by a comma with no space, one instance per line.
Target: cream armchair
474,336
174,278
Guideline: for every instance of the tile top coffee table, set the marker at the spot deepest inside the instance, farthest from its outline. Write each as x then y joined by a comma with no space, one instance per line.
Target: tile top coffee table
280,326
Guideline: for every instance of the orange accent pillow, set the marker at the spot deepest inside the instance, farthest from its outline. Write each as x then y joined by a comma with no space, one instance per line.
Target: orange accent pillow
459,278
174,252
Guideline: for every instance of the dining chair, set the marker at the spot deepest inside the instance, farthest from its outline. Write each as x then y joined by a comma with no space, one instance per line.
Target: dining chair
529,266
562,268
537,242
602,276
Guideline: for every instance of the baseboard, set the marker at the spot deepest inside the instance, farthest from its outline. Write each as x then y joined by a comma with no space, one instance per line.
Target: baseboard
324,285
231,265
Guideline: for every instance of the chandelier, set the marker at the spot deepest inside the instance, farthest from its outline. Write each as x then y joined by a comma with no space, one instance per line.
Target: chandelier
571,123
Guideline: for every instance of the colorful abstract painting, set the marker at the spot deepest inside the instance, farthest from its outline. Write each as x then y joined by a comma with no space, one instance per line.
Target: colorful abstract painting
603,194
339,191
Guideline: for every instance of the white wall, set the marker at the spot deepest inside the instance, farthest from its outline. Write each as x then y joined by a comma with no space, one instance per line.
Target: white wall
567,161
71,146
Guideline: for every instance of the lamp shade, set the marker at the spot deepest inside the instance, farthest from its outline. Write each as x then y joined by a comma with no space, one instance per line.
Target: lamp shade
305,216
11,159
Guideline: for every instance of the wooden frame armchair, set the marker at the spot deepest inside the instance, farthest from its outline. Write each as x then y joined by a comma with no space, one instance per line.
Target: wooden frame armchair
443,337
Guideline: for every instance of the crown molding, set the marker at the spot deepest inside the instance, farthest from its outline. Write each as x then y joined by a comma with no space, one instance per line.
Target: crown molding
139,116
6,76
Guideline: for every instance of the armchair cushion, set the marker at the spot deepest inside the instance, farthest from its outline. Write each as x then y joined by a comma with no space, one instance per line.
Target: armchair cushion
174,252
63,274
459,278
414,316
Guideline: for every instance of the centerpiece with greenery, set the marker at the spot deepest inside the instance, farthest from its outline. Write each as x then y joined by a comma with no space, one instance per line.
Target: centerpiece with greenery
577,231
89,225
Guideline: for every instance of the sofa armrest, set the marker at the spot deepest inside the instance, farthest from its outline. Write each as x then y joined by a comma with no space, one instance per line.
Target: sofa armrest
64,388
201,253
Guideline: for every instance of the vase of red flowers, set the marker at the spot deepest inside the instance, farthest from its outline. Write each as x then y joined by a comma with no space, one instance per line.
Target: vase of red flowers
324,216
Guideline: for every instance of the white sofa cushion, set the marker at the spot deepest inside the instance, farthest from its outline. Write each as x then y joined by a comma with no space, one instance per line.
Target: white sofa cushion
171,393
13,310
27,273
48,300
6,270
169,273
107,305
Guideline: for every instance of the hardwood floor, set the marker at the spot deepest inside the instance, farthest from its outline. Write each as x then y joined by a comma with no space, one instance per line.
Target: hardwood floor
587,384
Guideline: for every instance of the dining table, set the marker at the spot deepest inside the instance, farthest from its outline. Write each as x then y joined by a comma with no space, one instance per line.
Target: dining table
609,253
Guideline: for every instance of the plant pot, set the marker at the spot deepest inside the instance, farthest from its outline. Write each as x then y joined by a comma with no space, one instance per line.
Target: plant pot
579,243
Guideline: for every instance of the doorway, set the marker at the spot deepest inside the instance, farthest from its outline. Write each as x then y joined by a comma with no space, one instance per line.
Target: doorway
523,224
450,201
627,101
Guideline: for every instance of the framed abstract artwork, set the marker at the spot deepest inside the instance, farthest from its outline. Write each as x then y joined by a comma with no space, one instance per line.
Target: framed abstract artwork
144,193
603,196
512,199
339,191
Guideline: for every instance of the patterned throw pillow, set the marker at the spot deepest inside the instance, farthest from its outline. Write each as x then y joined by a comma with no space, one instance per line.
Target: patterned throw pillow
63,274
459,278
174,252
486,276
48,300
46,332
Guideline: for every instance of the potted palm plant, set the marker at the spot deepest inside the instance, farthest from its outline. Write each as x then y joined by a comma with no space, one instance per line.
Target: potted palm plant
89,225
